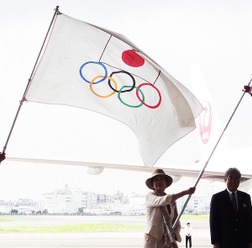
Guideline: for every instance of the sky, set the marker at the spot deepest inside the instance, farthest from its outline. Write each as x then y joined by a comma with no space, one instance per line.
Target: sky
206,45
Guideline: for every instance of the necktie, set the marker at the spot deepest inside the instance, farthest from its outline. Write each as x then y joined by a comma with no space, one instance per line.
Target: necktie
234,202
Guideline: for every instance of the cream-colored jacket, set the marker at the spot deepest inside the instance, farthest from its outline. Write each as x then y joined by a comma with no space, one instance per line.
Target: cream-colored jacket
154,225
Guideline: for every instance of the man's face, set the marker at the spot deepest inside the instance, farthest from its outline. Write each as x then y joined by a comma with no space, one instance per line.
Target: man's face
232,181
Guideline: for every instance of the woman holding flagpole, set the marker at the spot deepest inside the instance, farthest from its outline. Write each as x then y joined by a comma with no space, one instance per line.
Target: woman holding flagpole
162,212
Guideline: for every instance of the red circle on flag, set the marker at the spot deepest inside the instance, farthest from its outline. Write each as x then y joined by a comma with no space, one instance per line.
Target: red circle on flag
131,58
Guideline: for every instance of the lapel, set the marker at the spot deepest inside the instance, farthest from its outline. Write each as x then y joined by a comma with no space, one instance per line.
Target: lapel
240,200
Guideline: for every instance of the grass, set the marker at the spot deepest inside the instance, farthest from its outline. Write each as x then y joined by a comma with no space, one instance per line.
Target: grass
72,228
15,226
5,219
194,217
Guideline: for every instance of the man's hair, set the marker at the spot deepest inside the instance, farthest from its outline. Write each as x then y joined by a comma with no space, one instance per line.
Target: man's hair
231,170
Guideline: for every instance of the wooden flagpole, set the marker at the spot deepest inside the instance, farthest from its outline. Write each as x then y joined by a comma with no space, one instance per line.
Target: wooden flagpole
56,12
247,89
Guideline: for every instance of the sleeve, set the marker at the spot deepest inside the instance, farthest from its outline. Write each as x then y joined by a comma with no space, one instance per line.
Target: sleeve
214,220
153,200
249,218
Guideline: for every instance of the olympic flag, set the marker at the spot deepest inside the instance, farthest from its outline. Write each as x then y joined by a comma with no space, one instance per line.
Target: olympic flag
89,67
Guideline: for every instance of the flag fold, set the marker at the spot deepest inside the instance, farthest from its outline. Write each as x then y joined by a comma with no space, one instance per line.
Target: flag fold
89,67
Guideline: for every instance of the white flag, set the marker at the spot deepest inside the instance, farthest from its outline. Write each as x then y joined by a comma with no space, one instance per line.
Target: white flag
90,67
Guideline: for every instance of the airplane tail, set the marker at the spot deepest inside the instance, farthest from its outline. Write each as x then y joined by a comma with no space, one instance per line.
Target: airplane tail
209,124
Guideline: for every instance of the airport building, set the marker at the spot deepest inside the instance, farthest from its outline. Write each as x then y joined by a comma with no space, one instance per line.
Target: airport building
68,201
21,206
77,201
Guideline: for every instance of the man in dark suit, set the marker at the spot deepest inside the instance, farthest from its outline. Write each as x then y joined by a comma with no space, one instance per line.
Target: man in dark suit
231,220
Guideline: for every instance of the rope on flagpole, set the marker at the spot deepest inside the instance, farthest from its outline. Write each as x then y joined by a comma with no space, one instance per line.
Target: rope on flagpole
56,12
247,89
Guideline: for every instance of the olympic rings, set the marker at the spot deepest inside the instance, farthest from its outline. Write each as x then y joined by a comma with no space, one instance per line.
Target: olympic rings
133,79
94,62
124,89
159,102
92,82
132,106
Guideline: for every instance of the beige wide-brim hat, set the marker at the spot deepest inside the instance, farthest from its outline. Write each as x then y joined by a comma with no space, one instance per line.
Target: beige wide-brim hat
158,172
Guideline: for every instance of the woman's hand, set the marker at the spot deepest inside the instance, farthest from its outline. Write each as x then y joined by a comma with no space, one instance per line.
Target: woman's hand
191,190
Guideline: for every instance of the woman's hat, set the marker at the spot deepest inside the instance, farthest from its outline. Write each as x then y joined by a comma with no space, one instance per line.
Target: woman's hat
158,172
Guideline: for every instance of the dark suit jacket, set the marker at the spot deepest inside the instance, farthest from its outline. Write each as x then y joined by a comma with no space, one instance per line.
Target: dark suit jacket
227,228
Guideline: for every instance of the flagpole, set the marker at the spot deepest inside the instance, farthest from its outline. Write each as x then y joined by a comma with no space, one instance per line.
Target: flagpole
29,80
247,89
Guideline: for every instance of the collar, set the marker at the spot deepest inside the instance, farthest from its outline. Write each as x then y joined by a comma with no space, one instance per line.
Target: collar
231,192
